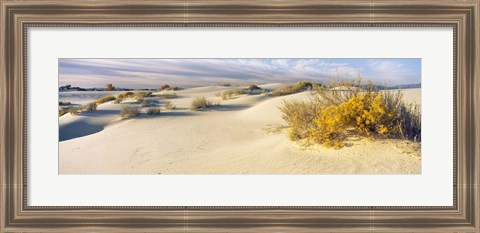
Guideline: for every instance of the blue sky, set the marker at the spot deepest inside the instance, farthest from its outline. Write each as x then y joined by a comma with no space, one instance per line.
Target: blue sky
152,73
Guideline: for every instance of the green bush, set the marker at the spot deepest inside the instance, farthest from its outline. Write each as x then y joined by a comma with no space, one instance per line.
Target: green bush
153,111
129,111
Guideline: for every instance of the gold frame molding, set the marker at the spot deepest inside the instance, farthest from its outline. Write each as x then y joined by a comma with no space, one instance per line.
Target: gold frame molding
17,16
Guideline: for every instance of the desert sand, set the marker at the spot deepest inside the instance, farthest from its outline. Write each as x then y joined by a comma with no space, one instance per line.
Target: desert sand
232,138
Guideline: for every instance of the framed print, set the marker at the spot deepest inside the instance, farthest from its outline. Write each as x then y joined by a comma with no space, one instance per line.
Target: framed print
265,116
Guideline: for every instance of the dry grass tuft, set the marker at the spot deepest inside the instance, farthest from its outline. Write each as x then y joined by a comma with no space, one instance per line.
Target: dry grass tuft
167,95
200,103
294,88
74,110
105,99
168,105
153,111
147,103
121,97
129,111
90,107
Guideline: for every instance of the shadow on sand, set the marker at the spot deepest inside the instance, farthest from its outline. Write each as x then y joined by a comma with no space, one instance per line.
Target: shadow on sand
77,129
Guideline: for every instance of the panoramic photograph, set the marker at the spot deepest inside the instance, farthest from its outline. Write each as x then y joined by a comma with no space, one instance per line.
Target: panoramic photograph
257,116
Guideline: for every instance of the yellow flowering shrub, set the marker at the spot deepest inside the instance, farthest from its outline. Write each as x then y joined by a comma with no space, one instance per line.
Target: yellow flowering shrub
365,113
349,108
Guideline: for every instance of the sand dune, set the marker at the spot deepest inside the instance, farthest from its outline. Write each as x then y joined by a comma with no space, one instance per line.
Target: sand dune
226,139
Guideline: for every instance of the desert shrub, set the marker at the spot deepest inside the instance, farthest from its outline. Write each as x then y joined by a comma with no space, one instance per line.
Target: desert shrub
62,111
294,88
110,87
143,94
338,92
164,87
128,94
366,113
200,103
409,122
167,87
147,103
299,116
105,99
90,107
168,105
228,94
139,98
64,103
153,111
129,111
224,84
255,91
248,90
167,95
336,113
252,87
121,97
74,110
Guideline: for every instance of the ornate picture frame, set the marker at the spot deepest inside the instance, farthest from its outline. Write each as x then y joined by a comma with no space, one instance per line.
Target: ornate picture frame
17,16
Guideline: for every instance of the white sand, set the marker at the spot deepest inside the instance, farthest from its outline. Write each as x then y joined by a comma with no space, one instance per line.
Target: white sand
227,139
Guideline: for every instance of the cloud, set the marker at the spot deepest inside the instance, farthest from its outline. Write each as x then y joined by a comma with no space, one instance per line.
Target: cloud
141,73
394,72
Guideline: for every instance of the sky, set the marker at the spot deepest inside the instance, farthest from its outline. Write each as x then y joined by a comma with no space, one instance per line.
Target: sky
152,73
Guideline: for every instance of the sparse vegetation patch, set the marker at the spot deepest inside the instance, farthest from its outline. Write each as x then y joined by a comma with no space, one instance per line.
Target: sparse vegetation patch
74,110
247,90
167,95
153,111
105,99
147,103
200,103
295,88
168,105
129,111
167,87
90,107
